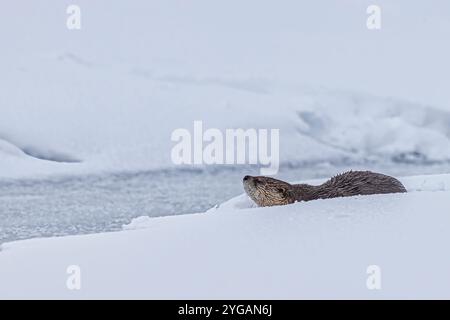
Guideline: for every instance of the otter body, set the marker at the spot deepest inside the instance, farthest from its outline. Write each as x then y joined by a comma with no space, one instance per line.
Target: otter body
265,191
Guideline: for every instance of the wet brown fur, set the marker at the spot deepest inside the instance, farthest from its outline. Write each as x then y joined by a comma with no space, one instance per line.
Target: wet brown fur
265,191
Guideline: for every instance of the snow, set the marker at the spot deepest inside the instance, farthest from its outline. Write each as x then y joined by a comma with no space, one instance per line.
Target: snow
317,249
86,118
106,98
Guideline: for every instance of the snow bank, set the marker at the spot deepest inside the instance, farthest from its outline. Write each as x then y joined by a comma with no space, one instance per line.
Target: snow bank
318,249
107,97
132,133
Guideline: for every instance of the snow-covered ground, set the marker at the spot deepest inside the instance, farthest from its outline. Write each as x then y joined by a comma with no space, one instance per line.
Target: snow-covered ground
107,97
318,249
86,118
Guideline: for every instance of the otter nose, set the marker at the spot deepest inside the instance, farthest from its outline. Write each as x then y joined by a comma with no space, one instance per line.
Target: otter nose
247,178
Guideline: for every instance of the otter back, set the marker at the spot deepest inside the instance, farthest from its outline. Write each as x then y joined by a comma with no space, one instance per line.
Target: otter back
348,184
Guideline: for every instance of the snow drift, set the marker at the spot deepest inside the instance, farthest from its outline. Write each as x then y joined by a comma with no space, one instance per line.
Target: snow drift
107,97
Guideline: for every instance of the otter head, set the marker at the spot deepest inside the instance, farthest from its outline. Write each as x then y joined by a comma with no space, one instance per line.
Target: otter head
266,192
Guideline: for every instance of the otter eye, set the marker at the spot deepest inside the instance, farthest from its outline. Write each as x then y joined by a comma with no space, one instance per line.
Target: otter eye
281,190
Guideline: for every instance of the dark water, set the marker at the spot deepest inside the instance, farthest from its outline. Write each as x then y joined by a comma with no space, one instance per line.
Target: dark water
91,204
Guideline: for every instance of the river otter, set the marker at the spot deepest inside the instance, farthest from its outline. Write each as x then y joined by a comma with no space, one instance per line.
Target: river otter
265,191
